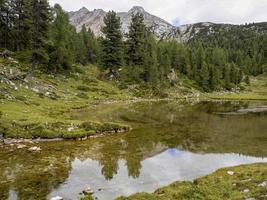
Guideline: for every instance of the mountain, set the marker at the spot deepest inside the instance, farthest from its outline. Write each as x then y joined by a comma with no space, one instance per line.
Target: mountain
95,20
162,29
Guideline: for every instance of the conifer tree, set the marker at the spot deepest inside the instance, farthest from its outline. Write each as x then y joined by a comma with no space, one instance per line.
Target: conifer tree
136,40
150,60
204,77
112,42
41,16
62,55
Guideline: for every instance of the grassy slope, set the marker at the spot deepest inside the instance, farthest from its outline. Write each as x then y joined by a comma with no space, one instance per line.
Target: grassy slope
256,91
40,107
244,184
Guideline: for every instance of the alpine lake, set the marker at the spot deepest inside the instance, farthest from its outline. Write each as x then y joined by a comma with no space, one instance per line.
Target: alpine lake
169,141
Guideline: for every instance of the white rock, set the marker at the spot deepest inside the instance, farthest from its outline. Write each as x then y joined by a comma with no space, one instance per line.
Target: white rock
21,146
57,198
231,173
88,191
35,149
246,190
263,184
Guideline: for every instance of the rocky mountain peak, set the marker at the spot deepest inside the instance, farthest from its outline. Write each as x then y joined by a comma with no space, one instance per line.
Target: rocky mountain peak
83,10
137,9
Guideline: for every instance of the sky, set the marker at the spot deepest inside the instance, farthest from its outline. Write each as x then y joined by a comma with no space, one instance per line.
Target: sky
180,12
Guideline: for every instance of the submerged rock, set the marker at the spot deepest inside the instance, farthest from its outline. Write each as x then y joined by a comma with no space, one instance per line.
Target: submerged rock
88,191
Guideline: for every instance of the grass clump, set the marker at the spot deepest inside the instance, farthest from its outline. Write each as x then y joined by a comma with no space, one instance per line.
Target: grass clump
219,185
83,88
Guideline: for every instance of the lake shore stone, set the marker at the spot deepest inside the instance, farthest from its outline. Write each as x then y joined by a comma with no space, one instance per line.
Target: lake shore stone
88,191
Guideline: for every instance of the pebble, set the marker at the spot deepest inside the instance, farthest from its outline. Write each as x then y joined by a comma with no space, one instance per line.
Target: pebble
231,173
250,199
35,149
57,198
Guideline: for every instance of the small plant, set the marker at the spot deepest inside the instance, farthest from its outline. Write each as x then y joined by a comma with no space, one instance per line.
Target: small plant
21,98
83,88
82,95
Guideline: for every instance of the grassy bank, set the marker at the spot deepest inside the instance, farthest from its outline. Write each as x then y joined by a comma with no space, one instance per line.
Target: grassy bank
257,90
42,105
242,182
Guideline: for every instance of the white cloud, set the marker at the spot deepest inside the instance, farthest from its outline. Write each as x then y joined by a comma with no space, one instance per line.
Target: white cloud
183,11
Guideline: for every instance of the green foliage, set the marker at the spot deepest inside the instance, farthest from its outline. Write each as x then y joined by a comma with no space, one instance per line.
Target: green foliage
136,41
217,59
61,33
112,42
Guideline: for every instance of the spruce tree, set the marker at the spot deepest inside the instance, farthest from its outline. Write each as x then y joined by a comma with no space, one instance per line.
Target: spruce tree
112,42
62,55
150,60
41,16
204,77
22,22
136,40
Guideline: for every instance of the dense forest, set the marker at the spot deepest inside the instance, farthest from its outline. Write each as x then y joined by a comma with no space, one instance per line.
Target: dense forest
42,35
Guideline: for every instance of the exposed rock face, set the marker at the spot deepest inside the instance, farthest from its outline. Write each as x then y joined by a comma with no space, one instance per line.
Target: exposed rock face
95,20
161,28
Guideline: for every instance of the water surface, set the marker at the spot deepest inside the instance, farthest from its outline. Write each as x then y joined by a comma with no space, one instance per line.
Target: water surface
170,141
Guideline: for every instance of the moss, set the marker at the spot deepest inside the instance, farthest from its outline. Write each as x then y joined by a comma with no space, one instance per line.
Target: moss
87,197
219,185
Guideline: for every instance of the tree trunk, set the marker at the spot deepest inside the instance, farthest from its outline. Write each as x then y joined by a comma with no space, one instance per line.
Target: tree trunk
32,69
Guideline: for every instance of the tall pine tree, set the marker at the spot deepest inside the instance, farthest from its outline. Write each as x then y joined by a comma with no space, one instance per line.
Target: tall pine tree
112,42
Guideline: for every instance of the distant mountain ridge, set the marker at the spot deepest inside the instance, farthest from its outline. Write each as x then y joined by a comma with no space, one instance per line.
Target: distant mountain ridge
161,28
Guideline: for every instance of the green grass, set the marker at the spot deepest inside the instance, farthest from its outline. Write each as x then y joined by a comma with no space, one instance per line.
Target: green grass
244,184
257,90
42,106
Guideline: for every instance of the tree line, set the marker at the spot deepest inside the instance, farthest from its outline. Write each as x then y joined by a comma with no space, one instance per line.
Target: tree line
43,35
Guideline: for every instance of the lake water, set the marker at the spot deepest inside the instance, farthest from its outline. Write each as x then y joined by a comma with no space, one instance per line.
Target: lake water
170,141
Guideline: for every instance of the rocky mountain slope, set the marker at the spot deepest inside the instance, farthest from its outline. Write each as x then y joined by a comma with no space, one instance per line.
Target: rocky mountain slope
162,29
95,20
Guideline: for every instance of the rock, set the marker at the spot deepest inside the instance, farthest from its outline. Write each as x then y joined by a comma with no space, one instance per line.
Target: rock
21,146
263,184
246,190
250,199
57,198
88,191
36,90
35,149
231,173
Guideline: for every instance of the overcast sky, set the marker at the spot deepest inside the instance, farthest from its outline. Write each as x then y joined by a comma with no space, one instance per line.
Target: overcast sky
183,11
